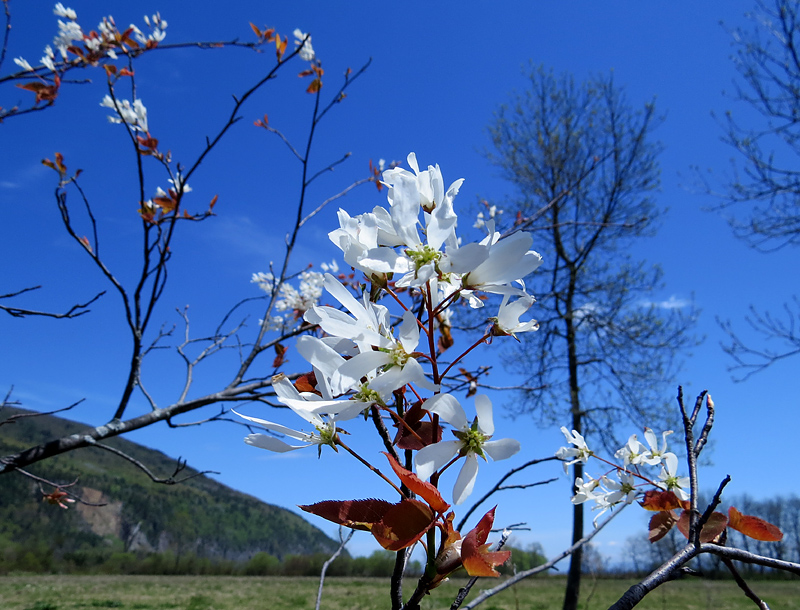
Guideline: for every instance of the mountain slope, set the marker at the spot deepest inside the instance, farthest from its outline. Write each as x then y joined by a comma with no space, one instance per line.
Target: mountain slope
200,516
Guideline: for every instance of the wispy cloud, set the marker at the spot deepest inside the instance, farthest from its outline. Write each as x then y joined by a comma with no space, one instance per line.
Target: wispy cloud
6,184
672,302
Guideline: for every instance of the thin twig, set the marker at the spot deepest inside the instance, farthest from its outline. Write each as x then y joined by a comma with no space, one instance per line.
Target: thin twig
344,540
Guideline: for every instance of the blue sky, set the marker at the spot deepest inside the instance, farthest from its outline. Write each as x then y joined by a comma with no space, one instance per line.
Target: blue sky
438,72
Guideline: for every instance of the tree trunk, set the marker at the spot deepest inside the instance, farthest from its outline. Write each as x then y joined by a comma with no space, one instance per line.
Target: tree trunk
573,588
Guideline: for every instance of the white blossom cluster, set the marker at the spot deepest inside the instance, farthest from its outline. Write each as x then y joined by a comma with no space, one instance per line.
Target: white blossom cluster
134,115
104,41
297,300
606,492
362,358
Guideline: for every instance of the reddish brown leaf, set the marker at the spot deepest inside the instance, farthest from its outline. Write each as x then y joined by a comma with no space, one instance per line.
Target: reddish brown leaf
754,527
475,554
357,514
307,383
715,525
255,29
315,86
280,46
213,202
280,352
403,524
657,500
446,340
423,489
660,524
413,433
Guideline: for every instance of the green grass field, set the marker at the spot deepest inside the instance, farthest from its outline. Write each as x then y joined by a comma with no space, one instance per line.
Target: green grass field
279,593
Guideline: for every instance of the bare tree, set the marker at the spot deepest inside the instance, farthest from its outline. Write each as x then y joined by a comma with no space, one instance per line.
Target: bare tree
763,190
604,349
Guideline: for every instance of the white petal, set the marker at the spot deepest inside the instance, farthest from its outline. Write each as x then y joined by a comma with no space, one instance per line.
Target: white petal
301,436
270,443
409,332
483,408
501,449
650,437
448,408
431,458
466,479
351,372
671,462
465,258
342,294
319,354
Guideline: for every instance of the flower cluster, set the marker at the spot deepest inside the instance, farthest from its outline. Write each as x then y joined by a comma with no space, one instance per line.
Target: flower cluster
74,45
295,300
366,359
607,492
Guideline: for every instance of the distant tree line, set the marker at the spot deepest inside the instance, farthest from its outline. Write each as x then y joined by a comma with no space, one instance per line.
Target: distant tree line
42,559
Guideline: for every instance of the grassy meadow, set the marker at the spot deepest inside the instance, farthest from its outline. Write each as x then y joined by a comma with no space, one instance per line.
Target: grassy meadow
68,592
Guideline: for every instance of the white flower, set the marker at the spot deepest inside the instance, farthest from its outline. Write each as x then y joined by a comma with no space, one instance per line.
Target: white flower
473,441
656,454
670,479
507,320
507,261
611,492
265,281
135,116
47,59
623,490
67,12
67,33
179,182
580,451
634,452
22,63
585,490
307,52
324,432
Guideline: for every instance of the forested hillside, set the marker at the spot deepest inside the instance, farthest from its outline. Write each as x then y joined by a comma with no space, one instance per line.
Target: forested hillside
199,517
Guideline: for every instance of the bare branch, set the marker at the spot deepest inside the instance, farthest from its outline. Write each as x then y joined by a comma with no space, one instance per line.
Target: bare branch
512,580
72,312
170,480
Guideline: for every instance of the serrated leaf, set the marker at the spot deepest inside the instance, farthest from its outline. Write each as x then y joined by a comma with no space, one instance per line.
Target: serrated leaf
403,524
476,557
754,527
423,489
356,514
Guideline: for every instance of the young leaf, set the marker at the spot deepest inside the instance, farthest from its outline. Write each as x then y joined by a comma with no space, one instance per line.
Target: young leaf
414,433
715,525
754,527
475,554
423,489
660,524
657,500
403,524
357,514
